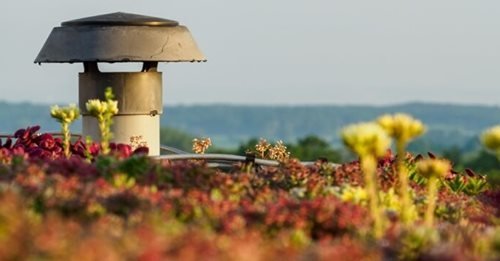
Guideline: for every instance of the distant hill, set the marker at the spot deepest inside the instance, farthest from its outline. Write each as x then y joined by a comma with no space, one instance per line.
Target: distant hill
229,125
448,124
20,115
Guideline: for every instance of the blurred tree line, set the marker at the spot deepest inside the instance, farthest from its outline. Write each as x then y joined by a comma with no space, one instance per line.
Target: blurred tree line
311,148
481,161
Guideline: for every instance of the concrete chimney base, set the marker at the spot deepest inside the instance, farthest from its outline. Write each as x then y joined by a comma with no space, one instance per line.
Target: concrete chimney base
139,96
134,130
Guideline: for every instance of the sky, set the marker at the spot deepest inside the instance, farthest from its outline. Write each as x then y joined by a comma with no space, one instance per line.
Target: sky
283,52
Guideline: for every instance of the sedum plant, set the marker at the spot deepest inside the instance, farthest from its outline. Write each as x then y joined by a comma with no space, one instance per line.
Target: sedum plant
104,111
262,147
65,116
279,152
402,128
433,170
201,145
476,183
369,141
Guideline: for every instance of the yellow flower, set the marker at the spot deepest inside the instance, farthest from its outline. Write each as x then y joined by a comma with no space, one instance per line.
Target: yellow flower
54,110
112,107
491,138
95,107
433,167
401,126
356,195
65,114
100,108
123,181
103,111
366,139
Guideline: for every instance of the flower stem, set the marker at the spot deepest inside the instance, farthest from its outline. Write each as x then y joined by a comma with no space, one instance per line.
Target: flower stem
431,201
104,128
369,166
403,181
66,138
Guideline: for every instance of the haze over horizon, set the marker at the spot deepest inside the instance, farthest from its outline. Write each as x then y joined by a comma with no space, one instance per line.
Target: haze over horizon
284,52
279,105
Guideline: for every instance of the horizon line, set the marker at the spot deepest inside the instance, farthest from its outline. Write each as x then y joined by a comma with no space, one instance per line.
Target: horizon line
230,104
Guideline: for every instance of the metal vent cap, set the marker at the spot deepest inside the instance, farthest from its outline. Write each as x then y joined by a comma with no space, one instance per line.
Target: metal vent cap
120,37
121,19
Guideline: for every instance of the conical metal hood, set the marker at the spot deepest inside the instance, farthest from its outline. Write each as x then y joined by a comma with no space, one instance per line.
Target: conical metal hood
120,37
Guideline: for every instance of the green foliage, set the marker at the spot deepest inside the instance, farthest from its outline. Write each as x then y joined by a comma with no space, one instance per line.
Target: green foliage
415,242
135,166
493,177
104,165
176,138
413,175
485,163
454,154
312,148
475,186
246,146
456,184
